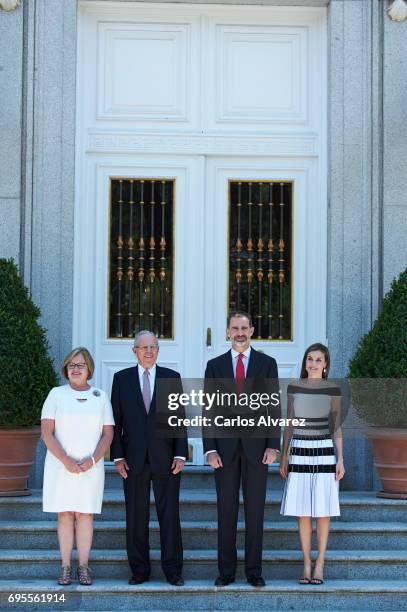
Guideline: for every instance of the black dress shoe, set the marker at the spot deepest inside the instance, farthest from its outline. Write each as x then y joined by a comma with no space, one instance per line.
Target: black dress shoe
138,579
256,581
175,580
224,580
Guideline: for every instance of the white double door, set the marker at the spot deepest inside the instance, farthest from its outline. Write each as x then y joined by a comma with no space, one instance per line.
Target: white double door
201,261
202,95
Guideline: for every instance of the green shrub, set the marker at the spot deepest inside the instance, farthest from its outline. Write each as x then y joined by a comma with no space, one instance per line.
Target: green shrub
26,371
379,367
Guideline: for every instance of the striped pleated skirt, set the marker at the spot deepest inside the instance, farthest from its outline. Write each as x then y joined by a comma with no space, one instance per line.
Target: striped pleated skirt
311,488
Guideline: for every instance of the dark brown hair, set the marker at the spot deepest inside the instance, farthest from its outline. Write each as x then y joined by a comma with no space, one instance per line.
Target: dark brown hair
239,313
317,346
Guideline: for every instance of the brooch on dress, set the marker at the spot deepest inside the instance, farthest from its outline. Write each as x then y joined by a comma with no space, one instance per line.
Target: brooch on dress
96,392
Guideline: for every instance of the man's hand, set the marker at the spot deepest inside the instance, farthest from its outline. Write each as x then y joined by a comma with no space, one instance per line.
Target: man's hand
270,455
284,467
177,466
72,466
214,460
122,467
85,464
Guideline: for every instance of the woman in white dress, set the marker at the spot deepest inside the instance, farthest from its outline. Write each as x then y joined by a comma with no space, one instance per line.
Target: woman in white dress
77,429
308,461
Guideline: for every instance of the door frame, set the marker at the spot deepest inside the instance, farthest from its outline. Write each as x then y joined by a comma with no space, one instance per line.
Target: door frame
98,146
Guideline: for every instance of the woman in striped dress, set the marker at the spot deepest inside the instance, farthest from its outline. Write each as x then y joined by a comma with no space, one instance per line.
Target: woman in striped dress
308,461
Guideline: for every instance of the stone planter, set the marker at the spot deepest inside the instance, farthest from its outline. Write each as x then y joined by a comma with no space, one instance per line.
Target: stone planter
390,458
17,452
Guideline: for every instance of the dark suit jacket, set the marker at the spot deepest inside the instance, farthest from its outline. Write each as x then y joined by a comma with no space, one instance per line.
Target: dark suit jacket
135,432
261,377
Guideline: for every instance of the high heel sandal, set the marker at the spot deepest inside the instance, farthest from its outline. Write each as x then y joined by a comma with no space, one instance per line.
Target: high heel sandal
84,575
304,579
65,576
317,581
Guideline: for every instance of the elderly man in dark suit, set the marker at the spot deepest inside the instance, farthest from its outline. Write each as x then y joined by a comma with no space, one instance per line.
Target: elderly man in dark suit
141,457
243,457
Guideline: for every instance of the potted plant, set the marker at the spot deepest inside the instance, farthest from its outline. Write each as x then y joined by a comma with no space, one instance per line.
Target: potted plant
26,376
378,373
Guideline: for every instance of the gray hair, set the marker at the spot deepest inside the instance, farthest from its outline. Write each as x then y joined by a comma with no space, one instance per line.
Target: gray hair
144,332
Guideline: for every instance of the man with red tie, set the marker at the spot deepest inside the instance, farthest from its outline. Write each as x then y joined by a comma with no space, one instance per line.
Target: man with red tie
243,458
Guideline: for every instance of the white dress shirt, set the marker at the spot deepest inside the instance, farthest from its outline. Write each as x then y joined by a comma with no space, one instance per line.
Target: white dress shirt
152,373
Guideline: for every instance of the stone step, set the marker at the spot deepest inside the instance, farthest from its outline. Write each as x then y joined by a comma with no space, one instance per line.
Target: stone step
202,595
200,505
194,477
202,564
203,535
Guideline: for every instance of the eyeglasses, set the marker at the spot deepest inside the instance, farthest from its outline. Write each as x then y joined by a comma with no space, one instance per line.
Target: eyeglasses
80,366
144,349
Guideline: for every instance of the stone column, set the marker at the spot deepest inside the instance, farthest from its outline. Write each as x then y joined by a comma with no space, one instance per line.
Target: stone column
11,101
49,171
354,186
394,150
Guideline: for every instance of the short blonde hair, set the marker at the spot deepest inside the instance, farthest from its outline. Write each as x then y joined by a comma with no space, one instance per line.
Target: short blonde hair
90,364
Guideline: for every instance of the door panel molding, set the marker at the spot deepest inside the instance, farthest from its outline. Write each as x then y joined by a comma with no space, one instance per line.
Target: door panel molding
281,144
310,245
91,286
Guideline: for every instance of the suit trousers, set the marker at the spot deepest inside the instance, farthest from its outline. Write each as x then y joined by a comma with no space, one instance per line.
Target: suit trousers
254,484
137,498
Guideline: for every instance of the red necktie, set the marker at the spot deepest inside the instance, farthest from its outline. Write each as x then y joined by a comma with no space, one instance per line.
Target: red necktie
240,375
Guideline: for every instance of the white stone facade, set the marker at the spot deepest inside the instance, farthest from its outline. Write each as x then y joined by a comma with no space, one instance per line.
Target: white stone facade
366,165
